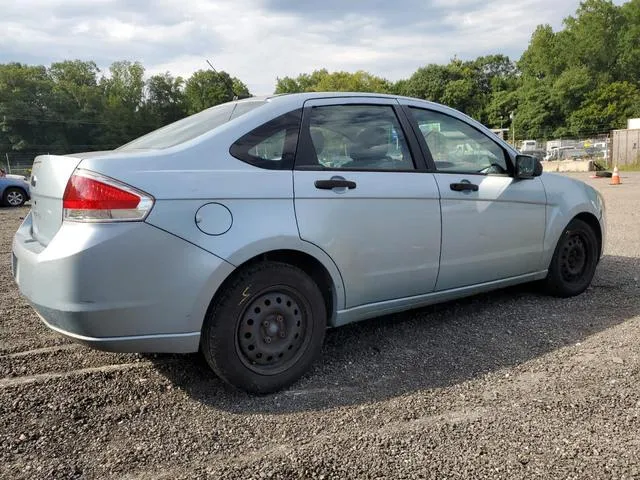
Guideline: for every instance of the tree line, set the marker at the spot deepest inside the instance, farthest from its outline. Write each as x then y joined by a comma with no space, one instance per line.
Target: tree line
581,80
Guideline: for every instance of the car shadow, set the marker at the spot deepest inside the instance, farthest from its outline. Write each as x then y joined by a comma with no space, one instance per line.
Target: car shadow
432,347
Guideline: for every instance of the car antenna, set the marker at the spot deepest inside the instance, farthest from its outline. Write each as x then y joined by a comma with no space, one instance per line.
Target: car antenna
229,86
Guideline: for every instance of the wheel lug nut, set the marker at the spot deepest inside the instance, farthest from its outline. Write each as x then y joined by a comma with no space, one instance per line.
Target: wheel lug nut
265,324
267,339
283,334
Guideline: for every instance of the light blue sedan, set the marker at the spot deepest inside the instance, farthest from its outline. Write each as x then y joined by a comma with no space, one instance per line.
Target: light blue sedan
246,230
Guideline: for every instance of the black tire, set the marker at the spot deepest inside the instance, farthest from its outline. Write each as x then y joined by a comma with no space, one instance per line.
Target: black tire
265,329
604,174
574,261
14,197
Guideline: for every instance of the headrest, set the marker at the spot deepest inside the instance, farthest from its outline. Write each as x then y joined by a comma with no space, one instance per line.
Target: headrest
372,143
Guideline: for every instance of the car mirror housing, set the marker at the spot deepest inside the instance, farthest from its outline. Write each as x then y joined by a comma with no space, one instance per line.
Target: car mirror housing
527,166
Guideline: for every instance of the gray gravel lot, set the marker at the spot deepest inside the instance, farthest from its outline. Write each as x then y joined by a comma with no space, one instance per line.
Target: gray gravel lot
508,385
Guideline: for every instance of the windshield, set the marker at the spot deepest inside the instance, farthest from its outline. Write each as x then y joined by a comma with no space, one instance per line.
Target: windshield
191,126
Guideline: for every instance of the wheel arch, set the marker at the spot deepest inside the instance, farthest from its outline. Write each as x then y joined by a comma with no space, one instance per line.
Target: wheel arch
558,225
591,220
326,277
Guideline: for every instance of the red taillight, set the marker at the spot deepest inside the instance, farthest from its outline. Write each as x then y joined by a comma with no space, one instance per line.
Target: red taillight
91,197
88,194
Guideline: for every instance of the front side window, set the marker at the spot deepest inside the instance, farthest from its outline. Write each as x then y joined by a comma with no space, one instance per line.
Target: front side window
360,137
456,146
271,145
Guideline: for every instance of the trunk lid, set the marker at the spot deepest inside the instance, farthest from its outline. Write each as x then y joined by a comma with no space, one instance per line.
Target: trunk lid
49,177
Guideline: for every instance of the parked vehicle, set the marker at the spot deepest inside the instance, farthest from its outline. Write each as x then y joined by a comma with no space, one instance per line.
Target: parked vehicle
529,145
14,190
560,153
539,154
245,230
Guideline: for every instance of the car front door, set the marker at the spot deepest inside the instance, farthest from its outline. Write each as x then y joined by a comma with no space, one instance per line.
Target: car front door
363,197
492,224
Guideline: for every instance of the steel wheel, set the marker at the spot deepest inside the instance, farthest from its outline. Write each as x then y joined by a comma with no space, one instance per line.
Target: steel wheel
265,327
573,258
271,333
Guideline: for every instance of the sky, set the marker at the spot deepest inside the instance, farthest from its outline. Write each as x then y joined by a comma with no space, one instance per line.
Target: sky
260,40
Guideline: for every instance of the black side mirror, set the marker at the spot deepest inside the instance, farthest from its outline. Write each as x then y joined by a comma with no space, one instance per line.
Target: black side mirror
527,166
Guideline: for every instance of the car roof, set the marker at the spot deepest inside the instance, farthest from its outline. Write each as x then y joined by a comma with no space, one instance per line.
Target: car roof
297,99
303,96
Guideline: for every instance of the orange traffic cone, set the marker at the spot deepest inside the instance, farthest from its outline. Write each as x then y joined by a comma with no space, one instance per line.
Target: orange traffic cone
615,178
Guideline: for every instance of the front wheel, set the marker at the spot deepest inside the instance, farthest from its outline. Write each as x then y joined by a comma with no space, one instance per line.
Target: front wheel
266,328
574,261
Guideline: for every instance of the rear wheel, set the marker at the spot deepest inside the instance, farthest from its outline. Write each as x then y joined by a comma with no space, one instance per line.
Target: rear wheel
14,197
574,261
266,328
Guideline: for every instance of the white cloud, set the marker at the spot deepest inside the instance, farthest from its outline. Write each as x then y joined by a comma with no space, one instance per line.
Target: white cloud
255,41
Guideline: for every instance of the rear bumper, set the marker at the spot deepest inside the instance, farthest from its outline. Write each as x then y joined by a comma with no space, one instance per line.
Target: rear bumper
126,287
174,343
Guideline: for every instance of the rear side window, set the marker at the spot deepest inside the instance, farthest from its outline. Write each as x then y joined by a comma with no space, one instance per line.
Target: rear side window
192,126
271,145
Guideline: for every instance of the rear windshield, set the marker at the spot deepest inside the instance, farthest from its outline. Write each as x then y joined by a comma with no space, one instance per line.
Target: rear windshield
191,126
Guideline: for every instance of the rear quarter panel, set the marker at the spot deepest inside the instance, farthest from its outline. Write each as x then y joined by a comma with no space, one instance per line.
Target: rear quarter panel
260,223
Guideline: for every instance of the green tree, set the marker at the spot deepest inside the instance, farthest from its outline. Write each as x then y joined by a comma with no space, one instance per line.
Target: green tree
165,99
428,82
77,103
537,114
123,97
206,88
545,55
590,38
468,86
571,87
607,107
500,106
323,81
629,43
27,121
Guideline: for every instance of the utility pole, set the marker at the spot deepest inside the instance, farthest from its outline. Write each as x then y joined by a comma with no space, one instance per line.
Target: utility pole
513,129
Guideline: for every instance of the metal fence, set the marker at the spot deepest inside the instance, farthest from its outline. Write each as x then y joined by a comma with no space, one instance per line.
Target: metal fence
20,163
597,148
17,163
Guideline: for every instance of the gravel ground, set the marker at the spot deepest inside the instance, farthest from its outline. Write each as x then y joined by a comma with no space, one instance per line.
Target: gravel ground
509,385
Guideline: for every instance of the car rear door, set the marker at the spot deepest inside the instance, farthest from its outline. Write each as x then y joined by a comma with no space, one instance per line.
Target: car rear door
363,197
492,224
